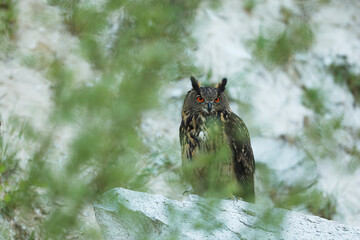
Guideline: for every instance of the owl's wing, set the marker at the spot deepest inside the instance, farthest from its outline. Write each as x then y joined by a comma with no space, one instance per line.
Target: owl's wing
243,158
187,146
183,140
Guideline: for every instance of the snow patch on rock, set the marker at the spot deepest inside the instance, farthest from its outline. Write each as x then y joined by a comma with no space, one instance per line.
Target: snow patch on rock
127,214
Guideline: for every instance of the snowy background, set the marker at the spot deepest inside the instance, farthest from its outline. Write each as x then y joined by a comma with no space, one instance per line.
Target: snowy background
270,100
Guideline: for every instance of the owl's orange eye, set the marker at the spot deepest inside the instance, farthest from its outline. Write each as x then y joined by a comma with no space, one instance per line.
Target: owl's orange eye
217,100
199,99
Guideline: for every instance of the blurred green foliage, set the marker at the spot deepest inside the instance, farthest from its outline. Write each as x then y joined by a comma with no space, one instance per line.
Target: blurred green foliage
355,158
321,205
10,179
208,174
324,1
321,133
8,166
287,14
315,99
345,75
279,48
249,5
299,193
8,16
320,143
274,47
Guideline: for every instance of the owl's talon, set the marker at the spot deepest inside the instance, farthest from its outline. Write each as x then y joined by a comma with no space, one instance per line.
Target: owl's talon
234,198
186,192
237,198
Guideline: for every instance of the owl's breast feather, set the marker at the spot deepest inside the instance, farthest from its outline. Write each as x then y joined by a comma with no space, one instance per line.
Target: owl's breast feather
202,136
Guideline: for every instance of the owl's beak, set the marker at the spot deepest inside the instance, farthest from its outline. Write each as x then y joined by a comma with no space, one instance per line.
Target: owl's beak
209,107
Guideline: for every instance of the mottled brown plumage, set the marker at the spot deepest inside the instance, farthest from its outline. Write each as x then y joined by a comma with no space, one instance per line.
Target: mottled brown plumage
215,143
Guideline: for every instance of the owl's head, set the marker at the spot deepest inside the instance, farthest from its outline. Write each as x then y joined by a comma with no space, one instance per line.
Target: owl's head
206,100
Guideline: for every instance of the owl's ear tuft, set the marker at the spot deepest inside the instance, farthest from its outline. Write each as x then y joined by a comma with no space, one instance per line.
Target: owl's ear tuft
221,85
195,84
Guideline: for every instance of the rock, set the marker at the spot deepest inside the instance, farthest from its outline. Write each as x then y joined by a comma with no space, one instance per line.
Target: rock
127,214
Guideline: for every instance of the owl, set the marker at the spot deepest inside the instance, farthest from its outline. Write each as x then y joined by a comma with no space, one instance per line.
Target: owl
215,144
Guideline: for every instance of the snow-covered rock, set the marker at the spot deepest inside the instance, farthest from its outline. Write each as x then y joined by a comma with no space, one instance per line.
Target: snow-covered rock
127,214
